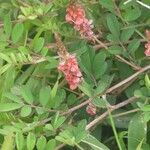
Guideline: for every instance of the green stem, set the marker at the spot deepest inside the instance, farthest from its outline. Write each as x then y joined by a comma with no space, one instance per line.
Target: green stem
79,146
114,130
127,112
26,37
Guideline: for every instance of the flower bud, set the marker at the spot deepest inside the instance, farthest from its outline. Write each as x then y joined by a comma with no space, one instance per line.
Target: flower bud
91,109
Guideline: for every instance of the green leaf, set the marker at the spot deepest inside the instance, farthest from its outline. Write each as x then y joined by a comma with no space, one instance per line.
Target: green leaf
4,68
139,147
5,57
51,145
53,63
26,10
124,73
13,97
8,142
112,38
71,99
79,132
31,139
58,122
25,111
7,25
44,95
23,49
99,64
82,124
121,136
49,127
138,94
86,89
115,50
47,8
38,44
99,102
19,141
94,143
27,94
126,34
147,81
32,17
103,84
40,110
17,32
107,4
145,108
137,131
59,98
66,137
146,116
41,143
23,77
86,60
54,90
133,46
113,25
4,107
132,13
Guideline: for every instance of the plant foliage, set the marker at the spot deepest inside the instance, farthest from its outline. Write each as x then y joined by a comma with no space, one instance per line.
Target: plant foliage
109,109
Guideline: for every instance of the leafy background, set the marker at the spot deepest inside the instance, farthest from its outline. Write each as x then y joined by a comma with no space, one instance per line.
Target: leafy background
39,111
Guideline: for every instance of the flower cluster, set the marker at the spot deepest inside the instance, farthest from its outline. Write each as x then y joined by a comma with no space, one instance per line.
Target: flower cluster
76,16
69,66
147,45
147,51
91,109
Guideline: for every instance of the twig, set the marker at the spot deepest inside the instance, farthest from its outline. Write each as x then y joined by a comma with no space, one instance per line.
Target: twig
127,2
128,79
122,88
60,146
112,108
111,89
98,46
105,114
101,43
127,112
135,67
47,109
128,63
143,4
76,107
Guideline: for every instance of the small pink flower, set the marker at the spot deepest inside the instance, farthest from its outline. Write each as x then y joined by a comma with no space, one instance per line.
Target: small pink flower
68,18
147,51
91,109
72,73
76,16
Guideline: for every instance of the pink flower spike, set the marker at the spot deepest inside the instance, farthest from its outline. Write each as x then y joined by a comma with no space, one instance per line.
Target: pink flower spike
147,51
76,16
69,67
73,87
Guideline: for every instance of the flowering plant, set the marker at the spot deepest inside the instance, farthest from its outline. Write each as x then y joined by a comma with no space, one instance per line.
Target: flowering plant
74,74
